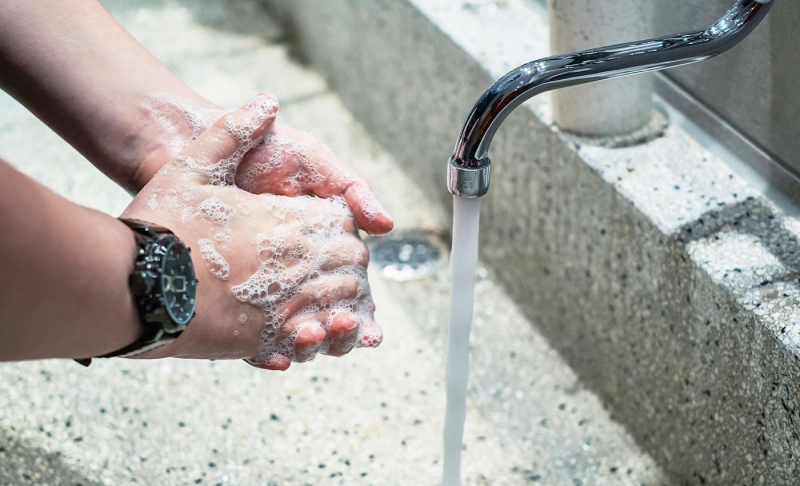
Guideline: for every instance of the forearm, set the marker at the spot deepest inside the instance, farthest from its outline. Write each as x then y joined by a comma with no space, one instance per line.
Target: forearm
63,275
79,71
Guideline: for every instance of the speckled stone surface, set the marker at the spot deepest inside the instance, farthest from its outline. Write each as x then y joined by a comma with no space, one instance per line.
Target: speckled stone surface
372,418
666,281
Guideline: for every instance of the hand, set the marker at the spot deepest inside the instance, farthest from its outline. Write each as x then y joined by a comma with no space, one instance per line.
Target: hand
288,162
291,163
280,278
112,115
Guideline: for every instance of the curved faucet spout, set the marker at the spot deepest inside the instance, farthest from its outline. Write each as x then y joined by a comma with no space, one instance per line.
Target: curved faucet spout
469,166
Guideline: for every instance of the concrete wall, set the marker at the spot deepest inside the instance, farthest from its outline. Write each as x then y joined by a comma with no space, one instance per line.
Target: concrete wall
665,280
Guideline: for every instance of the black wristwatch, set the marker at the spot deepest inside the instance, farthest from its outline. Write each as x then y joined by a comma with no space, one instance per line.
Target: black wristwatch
163,287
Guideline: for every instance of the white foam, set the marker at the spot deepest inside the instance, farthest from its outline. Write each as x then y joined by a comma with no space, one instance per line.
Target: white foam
244,209
222,237
172,117
152,203
187,214
216,211
289,154
216,263
310,233
369,203
241,125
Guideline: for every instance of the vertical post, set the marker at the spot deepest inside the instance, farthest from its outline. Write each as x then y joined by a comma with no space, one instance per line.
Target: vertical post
610,107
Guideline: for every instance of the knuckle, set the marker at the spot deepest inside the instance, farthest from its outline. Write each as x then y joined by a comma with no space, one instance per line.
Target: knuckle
309,293
349,287
362,254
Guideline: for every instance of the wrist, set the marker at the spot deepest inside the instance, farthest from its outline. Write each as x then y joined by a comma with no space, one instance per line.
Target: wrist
162,286
122,325
166,125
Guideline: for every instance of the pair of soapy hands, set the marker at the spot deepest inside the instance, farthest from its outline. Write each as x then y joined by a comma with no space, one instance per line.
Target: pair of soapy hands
272,217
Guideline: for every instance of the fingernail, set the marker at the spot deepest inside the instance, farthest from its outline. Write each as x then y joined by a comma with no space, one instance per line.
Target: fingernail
371,340
310,333
351,326
278,362
372,336
264,106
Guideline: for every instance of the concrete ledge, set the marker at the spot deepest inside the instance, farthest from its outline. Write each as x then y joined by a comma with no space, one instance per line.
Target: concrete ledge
667,282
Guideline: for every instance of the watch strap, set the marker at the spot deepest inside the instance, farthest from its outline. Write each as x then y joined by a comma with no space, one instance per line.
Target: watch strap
153,335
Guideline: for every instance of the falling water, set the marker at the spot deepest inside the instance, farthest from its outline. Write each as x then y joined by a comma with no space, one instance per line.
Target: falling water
463,259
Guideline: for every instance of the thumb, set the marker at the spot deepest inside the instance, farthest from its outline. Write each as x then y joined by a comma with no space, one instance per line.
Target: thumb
216,153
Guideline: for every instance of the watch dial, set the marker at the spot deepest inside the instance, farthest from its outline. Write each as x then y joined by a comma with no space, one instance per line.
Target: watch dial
179,284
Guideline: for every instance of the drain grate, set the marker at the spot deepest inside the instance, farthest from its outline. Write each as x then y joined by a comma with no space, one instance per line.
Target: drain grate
407,254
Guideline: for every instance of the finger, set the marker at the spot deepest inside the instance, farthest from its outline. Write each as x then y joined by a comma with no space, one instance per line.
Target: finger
288,163
291,162
275,362
309,341
268,169
299,339
351,252
343,334
368,211
217,152
371,335
322,291
270,285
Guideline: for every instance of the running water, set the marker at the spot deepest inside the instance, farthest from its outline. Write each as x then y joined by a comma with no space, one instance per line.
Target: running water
463,260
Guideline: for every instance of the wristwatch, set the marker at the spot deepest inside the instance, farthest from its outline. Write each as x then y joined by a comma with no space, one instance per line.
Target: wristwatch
163,287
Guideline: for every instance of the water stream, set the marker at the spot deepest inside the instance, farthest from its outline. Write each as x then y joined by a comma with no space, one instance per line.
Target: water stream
463,260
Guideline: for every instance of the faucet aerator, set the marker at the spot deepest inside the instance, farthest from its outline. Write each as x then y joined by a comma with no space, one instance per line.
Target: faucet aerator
468,179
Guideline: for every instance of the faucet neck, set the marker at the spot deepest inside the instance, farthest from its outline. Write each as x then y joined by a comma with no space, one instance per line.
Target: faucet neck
528,80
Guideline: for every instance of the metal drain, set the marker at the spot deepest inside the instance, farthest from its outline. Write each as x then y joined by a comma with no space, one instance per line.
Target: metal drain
407,254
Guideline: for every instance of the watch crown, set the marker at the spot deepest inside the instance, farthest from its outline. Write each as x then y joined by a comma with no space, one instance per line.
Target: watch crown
140,282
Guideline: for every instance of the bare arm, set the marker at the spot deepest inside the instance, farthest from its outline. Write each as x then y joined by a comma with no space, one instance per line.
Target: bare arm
63,275
281,279
80,72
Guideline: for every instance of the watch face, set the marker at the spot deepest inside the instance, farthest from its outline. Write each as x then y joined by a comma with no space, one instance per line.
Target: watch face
178,283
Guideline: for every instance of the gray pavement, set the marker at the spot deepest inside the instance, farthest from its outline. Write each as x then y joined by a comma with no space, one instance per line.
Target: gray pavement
372,418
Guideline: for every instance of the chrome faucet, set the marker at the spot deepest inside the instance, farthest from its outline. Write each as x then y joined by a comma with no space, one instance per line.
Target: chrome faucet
469,166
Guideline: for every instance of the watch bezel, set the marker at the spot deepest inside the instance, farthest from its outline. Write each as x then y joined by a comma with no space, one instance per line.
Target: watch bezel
180,324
